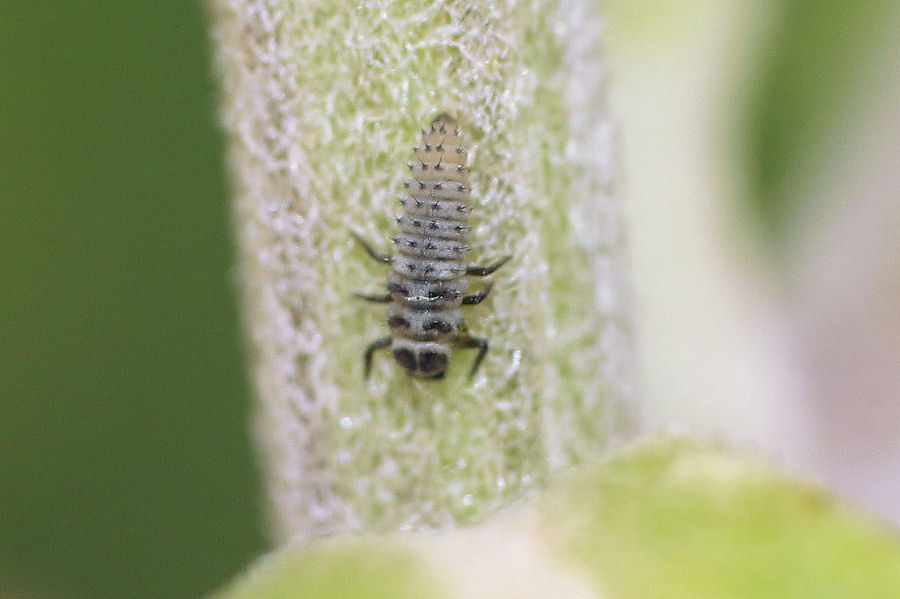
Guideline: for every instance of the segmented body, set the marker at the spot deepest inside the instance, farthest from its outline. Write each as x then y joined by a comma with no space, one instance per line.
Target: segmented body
427,285
428,279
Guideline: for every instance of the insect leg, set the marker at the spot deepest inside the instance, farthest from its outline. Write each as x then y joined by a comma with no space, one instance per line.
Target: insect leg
477,298
378,299
482,271
369,250
377,344
482,346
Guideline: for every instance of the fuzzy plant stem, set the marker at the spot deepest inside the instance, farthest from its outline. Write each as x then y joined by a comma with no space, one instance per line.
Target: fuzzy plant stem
322,103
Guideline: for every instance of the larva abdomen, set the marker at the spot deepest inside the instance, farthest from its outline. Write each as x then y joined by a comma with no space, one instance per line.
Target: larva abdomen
441,249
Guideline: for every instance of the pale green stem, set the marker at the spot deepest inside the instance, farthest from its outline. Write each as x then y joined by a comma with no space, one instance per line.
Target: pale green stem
322,103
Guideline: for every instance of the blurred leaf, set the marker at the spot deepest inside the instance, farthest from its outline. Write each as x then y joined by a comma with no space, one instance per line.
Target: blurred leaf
339,569
667,519
818,69
672,519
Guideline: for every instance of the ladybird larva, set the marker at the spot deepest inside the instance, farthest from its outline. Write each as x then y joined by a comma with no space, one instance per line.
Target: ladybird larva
427,285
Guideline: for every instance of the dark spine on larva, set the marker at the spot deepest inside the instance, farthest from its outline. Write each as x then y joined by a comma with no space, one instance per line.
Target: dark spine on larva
428,279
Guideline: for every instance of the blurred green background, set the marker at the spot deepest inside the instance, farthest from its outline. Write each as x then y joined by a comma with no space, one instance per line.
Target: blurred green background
125,462
126,468
817,69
